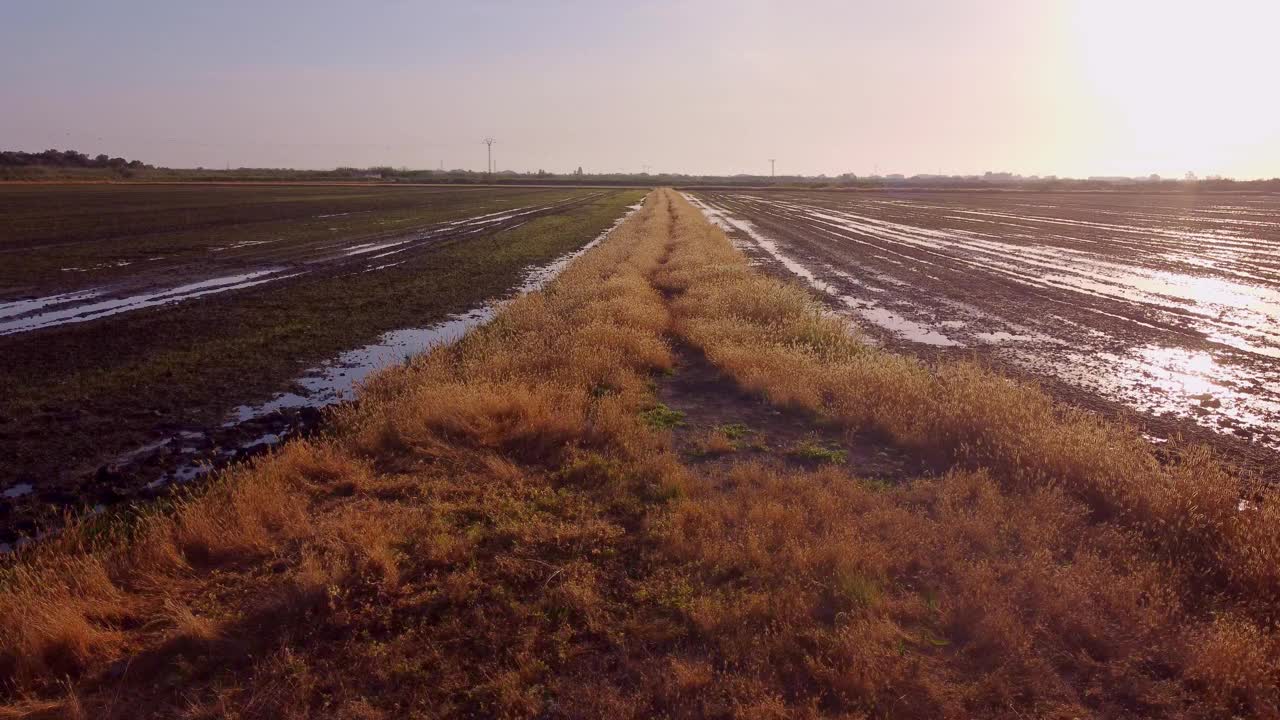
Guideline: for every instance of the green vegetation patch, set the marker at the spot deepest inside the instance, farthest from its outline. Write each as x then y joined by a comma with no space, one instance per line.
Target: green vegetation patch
815,451
735,431
661,417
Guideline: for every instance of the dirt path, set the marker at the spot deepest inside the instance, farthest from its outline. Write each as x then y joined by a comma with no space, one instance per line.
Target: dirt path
496,530
720,425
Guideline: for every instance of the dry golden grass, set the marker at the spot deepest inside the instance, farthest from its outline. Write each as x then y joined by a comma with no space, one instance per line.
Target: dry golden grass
435,506
1148,572
500,529
714,442
775,341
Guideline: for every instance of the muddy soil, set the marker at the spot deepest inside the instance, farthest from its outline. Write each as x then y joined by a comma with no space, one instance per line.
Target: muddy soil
1162,310
239,265
150,425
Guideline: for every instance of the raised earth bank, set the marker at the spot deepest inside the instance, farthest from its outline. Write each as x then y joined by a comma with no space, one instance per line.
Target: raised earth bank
667,485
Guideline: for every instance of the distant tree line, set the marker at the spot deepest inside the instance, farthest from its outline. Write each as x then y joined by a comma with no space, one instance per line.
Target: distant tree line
69,164
67,159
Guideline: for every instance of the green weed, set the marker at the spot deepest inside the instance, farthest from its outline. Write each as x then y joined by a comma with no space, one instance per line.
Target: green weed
661,417
817,452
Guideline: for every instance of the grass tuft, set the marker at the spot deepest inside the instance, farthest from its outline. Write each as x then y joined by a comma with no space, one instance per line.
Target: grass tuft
814,451
661,417
735,431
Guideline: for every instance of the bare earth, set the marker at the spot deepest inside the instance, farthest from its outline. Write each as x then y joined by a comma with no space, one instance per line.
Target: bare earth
1163,309
151,334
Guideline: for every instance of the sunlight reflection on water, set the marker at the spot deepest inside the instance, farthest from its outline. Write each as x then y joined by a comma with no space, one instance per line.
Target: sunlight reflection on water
1173,381
1146,347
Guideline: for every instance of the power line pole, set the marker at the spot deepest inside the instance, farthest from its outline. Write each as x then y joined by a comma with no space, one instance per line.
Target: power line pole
771,162
489,142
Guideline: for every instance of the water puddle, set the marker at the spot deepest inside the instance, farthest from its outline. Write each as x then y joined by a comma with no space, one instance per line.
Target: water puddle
869,310
22,307
901,326
99,266
18,490
241,244
1002,336
82,306
141,450
262,426
103,308
374,247
1177,382
1160,308
337,380
1238,313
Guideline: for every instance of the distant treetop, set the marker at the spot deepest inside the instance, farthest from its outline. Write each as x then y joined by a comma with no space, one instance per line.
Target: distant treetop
66,158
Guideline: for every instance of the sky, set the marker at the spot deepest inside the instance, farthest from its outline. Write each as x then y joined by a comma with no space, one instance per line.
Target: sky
1061,87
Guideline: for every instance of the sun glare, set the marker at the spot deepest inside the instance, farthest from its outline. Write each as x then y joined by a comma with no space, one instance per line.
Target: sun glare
1181,84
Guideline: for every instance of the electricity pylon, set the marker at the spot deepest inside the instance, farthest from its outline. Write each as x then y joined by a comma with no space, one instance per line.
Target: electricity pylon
489,142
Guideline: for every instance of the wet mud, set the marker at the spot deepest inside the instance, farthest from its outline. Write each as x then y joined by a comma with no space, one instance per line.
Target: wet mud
1161,309
244,265
180,455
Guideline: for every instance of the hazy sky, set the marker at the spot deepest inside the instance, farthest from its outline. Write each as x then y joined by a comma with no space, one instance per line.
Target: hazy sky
1094,87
